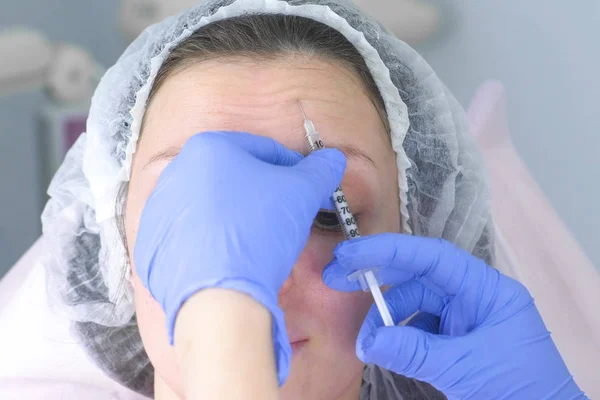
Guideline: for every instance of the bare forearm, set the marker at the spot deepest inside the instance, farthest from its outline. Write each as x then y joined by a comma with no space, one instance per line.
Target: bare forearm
224,347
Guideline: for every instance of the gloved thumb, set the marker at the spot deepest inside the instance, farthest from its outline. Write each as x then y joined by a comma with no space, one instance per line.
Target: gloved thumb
323,171
426,322
405,350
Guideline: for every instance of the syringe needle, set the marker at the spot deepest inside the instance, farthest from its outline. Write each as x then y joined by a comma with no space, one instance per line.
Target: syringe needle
302,109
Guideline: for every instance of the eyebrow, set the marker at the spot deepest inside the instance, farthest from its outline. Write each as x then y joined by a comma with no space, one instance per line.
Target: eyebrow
171,152
166,154
357,154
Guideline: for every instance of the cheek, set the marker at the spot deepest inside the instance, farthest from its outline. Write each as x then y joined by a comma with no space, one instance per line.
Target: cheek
140,189
152,325
337,315
342,314
150,316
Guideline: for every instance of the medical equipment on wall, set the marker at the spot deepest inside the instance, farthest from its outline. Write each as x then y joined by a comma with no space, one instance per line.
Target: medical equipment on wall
410,20
367,279
31,61
67,74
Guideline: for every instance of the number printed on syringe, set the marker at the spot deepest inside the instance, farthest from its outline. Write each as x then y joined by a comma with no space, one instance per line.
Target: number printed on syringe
345,216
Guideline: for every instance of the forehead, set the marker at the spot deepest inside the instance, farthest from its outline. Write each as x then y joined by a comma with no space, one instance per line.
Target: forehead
264,98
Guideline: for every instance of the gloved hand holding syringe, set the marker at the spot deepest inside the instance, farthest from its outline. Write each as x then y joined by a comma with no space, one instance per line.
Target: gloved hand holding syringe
367,279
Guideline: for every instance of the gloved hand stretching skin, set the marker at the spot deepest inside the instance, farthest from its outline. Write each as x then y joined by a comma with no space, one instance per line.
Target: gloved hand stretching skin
232,211
491,342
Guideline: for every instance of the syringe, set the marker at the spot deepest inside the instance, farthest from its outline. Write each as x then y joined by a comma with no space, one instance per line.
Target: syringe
367,279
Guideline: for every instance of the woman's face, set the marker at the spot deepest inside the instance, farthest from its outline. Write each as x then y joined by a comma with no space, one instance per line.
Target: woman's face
263,98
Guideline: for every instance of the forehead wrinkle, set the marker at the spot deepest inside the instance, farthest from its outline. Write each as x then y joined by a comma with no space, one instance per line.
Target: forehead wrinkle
343,79
272,94
272,104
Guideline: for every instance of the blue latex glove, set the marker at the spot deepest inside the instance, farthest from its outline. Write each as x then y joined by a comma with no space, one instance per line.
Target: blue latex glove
491,342
232,211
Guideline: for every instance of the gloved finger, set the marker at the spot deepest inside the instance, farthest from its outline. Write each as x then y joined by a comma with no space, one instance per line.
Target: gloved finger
322,172
264,148
403,350
407,351
406,299
328,204
336,273
426,322
335,276
435,262
361,256
402,301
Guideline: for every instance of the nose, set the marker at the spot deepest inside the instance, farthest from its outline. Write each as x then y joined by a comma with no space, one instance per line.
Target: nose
287,285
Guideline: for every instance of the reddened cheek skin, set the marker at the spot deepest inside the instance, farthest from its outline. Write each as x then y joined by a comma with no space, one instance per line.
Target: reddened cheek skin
341,314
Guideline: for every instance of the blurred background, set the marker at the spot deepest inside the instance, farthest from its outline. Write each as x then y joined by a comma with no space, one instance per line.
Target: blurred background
545,53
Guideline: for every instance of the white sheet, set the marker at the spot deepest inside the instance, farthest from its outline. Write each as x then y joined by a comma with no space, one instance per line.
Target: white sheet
40,359
535,247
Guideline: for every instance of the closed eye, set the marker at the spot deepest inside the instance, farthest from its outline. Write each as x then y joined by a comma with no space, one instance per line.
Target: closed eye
327,221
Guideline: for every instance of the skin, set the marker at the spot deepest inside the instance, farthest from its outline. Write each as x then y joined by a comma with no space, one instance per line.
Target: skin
242,365
262,98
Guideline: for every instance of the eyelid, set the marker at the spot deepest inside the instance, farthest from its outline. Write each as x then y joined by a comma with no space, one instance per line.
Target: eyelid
326,227
334,229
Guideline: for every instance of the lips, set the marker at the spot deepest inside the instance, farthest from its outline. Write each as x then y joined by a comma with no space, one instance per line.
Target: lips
298,345
296,334
297,340
298,328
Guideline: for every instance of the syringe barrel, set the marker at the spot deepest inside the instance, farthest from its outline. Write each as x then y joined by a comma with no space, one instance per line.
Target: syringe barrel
344,214
368,279
313,137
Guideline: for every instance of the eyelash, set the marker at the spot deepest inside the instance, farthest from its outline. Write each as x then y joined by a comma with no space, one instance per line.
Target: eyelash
332,225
